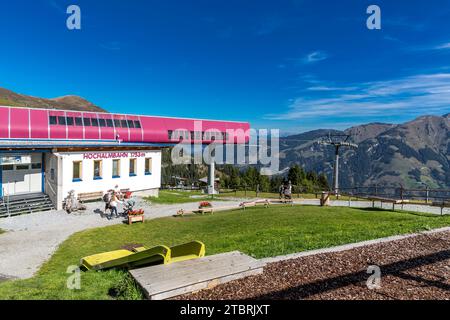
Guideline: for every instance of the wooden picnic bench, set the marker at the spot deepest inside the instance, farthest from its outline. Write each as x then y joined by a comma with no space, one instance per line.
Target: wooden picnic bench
90,196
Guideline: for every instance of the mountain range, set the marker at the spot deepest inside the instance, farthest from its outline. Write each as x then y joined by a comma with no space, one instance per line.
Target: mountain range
413,154
72,102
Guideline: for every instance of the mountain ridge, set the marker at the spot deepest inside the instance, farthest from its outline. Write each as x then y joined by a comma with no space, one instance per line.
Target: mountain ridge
413,154
68,102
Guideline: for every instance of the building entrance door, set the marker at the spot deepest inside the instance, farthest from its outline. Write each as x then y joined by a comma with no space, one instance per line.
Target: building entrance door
22,178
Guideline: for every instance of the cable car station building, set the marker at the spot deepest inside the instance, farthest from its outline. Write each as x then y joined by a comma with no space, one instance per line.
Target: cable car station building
50,152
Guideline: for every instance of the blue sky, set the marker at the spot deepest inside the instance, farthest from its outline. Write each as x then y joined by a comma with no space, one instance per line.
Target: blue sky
296,65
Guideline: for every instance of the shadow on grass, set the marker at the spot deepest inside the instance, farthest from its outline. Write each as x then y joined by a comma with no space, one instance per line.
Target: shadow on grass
396,269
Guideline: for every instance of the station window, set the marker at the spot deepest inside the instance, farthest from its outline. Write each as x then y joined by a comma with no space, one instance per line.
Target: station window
36,166
116,168
94,122
76,173
62,120
87,122
137,124
97,169
130,123
22,166
109,123
132,167
52,120
69,121
78,122
148,166
7,167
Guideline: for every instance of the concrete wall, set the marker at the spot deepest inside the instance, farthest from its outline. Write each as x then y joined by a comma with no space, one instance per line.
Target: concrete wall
51,176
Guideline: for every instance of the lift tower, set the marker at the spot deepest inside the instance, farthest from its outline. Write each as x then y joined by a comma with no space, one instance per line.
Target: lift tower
338,141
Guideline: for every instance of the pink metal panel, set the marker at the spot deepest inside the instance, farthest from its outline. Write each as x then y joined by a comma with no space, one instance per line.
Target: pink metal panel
57,131
154,129
91,132
107,133
19,123
39,124
4,118
122,132
74,131
135,133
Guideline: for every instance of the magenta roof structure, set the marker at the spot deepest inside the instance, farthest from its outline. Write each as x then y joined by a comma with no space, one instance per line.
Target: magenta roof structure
66,125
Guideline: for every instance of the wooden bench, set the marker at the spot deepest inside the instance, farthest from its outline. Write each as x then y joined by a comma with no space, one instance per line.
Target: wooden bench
244,205
90,196
205,210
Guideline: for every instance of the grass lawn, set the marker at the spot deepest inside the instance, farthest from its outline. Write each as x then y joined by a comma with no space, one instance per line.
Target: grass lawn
257,231
2,231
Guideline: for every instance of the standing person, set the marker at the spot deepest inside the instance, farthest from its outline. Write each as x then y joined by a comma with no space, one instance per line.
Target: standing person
281,190
113,204
288,191
117,191
107,200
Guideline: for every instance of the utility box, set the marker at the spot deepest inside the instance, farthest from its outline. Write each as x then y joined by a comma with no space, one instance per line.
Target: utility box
325,199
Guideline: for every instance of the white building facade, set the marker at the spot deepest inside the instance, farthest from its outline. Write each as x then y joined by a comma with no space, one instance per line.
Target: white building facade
92,171
57,171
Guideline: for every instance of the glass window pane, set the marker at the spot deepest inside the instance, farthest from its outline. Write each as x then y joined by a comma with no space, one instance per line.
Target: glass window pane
137,124
130,123
97,169
52,120
132,166
36,166
87,122
116,123
62,120
78,122
102,122
148,165
116,168
94,122
76,170
109,123
123,123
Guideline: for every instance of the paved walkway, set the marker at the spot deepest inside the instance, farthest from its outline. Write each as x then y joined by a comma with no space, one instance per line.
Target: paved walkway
32,239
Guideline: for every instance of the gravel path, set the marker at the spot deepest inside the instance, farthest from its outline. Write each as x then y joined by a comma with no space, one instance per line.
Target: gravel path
412,268
31,239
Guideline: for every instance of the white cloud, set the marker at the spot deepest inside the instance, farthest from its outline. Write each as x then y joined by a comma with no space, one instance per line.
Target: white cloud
315,56
419,94
443,46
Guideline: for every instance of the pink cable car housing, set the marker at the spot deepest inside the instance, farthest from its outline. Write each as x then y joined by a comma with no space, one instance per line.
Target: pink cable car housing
54,124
